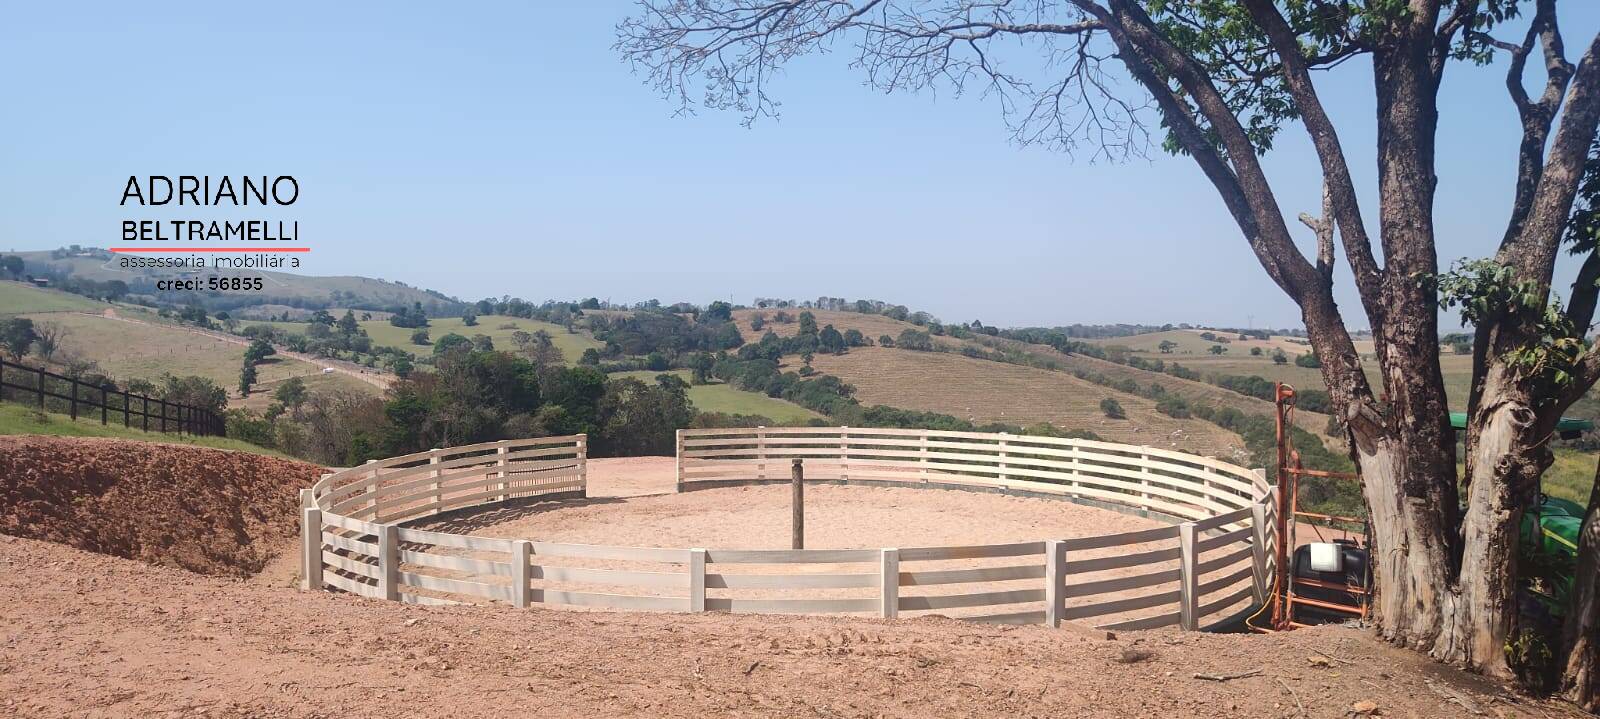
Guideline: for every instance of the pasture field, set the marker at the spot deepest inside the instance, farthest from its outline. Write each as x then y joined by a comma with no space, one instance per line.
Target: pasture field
985,391
17,298
128,350
1193,353
723,398
873,326
1190,342
1572,475
20,419
499,329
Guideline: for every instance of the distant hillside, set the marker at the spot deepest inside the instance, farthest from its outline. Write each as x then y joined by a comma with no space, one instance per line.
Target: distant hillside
282,288
984,391
874,326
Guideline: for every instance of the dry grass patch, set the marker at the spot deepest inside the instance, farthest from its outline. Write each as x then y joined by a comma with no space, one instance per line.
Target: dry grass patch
984,391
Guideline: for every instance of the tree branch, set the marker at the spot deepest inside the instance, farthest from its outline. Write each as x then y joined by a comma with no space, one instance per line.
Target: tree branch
1323,227
1533,250
1337,182
1537,116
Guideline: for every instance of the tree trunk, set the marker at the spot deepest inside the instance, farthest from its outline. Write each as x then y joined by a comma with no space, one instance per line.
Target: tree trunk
1506,454
1581,636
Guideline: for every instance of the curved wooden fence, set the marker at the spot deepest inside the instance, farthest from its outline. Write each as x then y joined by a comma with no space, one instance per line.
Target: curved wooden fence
1210,564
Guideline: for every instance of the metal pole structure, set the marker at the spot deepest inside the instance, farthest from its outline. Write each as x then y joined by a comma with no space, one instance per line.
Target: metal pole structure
798,482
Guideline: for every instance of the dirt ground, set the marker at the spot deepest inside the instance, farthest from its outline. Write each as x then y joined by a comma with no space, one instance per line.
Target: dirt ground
205,510
89,635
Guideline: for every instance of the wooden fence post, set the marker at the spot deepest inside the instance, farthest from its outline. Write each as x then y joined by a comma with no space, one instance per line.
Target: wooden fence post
1001,474
126,409
697,580
1259,538
922,455
145,415
1189,578
74,400
505,481
844,453
438,496
389,561
761,452
677,455
163,414
311,555
41,389
889,580
797,504
583,465
1055,577
102,405
1144,469
521,573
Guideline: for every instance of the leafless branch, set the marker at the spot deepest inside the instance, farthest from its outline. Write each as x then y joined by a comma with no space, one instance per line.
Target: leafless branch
1066,101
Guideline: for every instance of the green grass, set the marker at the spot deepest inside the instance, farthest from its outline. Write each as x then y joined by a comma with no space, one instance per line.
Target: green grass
731,400
382,333
1572,475
17,298
21,419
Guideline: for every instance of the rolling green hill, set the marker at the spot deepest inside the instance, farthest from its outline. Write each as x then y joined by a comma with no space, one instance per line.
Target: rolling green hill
17,298
498,328
730,400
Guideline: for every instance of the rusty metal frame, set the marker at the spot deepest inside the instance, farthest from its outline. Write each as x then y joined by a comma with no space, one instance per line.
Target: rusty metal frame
1290,471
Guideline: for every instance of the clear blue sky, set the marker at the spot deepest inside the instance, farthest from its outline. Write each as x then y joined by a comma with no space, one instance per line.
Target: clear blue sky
504,149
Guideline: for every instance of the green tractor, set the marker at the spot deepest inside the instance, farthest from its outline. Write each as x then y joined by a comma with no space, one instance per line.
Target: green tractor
1549,534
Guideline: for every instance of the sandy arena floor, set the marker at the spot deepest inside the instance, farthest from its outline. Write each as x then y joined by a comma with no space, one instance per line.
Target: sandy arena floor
631,503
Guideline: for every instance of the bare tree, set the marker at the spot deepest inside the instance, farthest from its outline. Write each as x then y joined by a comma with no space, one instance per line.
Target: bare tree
48,338
1225,78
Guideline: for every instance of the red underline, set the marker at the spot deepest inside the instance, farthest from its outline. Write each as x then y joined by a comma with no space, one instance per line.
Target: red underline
210,249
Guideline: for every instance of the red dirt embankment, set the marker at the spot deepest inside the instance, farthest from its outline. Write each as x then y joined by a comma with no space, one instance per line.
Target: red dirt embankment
205,510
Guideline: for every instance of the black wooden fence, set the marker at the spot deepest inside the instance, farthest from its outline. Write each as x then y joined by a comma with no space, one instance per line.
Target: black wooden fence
58,393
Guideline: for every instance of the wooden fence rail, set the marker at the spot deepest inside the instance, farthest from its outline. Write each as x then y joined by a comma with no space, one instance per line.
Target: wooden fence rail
1210,564
50,391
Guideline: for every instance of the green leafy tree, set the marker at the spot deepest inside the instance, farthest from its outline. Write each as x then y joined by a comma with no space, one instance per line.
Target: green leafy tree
401,366
1217,350
291,393
247,377
17,335
717,312
911,339
1278,357
1308,359
808,323
257,351
1112,409
831,340
348,325
420,337
1255,352
1167,346
13,265
469,320
451,342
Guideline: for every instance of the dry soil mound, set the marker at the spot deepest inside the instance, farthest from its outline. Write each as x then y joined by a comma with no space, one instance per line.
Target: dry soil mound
204,510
